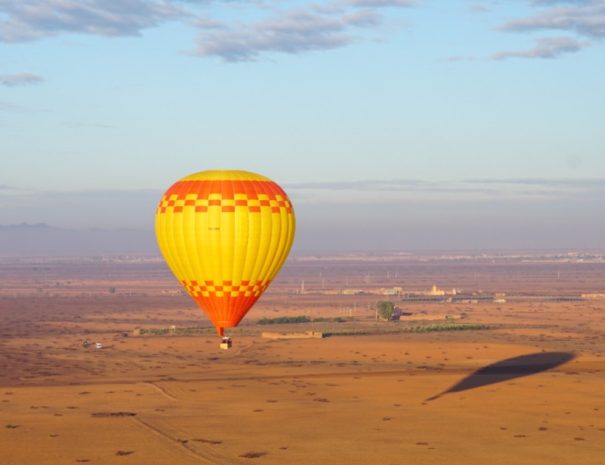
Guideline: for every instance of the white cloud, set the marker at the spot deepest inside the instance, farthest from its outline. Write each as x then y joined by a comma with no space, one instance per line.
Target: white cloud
290,32
285,27
457,192
585,18
26,20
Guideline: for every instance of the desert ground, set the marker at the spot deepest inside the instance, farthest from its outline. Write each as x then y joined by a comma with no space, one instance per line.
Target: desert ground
525,386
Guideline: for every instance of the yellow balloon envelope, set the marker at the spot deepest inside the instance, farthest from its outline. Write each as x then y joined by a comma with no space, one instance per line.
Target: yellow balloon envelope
225,235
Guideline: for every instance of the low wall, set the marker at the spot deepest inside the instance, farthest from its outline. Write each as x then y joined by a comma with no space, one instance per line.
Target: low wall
305,335
430,317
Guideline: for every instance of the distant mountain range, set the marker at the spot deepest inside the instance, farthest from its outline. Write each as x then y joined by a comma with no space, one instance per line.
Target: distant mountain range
33,240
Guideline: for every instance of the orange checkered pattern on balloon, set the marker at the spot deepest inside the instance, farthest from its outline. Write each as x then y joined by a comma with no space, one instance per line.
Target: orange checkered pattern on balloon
225,288
200,196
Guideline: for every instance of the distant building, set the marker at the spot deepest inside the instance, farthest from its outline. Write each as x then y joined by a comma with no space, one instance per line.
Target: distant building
391,291
435,291
594,296
353,291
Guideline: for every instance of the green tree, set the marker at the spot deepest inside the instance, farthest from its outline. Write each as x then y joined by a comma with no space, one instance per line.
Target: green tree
385,309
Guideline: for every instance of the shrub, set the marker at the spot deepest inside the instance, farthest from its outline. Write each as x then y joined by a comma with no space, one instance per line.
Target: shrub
284,320
385,309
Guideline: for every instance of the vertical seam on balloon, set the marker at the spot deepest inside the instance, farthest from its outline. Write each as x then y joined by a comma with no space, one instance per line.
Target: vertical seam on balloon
235,303
285,239
281,245
169,238
182,242
231,301
287,236
212,304
197,215
276,250
220,247
210,299
242,306
268,268
291,228
255,273
170,242
168,253
192,228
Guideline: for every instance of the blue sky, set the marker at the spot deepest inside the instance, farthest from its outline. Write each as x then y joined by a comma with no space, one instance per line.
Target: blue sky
108,102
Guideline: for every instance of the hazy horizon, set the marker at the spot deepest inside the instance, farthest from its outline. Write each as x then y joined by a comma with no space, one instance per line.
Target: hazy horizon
369,215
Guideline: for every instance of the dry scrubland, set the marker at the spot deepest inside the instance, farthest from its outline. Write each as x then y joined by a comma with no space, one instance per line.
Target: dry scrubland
339,400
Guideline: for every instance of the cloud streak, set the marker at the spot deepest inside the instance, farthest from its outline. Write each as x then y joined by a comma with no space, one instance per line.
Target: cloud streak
7,106
396,184
20,79
395,190
367,191
550,47
479,8
366,185
381,3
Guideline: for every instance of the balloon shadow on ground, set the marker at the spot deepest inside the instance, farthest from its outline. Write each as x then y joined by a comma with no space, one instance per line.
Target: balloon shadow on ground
504,370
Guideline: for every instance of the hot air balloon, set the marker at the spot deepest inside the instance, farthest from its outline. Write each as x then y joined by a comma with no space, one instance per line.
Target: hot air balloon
225,235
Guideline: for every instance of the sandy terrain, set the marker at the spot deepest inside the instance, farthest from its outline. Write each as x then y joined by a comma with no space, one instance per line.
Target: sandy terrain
400,398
